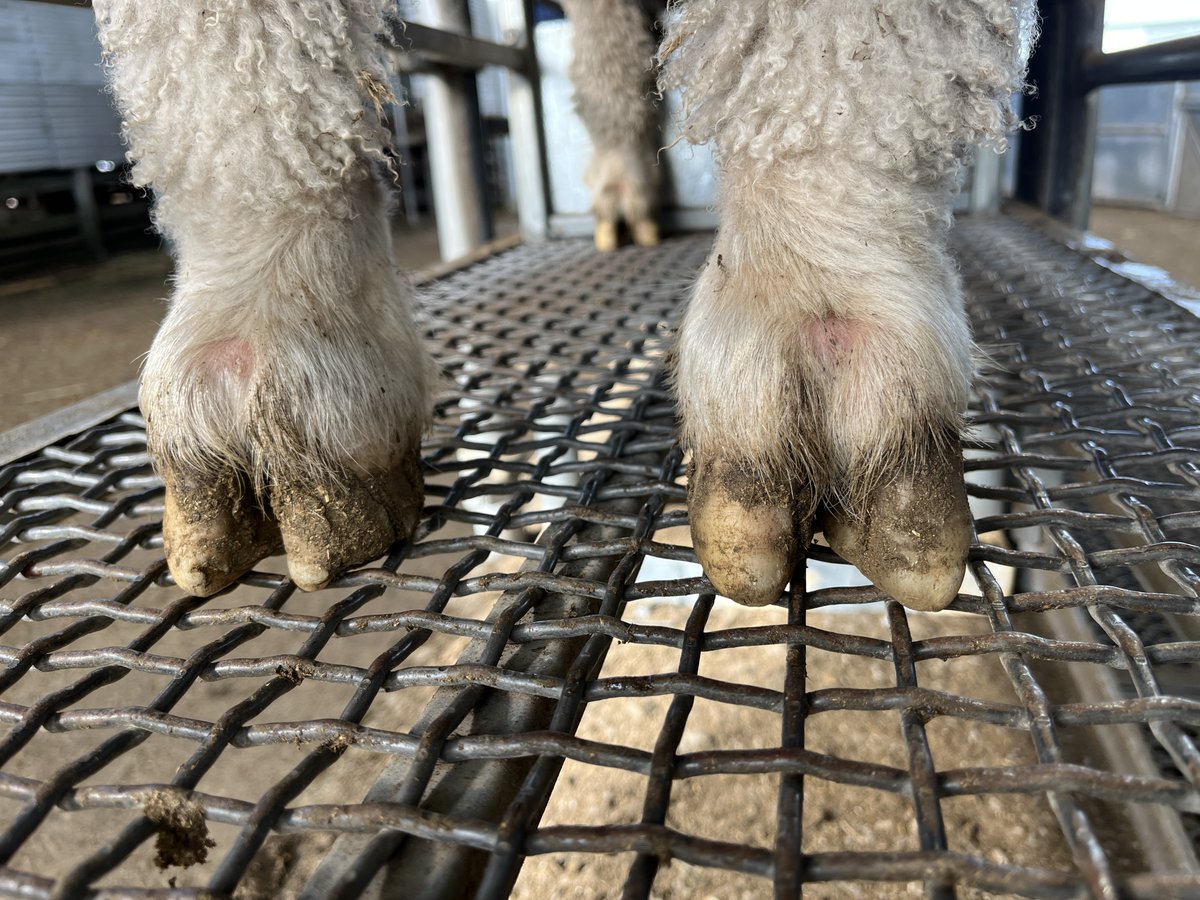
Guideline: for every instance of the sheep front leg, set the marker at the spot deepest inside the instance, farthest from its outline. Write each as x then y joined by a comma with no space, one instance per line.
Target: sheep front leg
612,71
812,398
286,391
823,366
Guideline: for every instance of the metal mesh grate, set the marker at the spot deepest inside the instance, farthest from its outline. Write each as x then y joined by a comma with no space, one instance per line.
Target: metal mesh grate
545,655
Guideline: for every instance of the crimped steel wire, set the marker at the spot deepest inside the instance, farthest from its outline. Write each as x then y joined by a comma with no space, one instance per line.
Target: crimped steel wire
552,475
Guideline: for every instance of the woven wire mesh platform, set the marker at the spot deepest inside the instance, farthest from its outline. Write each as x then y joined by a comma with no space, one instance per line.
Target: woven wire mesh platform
540,695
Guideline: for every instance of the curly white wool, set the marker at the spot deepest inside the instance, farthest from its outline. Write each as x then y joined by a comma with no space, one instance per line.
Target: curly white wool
228,104
904,87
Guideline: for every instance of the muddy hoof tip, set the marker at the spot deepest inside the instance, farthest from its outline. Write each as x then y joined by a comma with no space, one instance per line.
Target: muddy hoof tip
929,591
755,579
201,581
747,531
913,539
748,552
645,233
309,576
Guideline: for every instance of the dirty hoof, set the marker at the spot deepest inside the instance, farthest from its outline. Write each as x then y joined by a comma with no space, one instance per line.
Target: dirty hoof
913,534
748,533
213,530
329,527
645,233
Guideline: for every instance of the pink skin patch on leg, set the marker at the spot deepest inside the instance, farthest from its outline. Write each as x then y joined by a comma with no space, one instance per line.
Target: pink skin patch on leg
232,357
833,340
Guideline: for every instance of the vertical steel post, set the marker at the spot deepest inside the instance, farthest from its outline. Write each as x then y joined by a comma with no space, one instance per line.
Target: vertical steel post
525,124
1175,146
83,191
1054,161
987,168
455,145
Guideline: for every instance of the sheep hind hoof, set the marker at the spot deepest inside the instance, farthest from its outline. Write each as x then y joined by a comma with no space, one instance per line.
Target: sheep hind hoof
915,533
748,533
645,233
213,530
331,526
606,236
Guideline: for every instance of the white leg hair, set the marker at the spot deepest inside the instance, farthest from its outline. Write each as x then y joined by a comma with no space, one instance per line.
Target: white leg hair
824,362
612,60
287,384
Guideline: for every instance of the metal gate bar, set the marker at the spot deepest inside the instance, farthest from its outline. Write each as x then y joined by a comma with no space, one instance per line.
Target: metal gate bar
142,723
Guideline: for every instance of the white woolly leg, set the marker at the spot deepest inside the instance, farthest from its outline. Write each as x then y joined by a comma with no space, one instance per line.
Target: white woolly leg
289,348
289,364
807,361
805,392
824,363
287,386
612,71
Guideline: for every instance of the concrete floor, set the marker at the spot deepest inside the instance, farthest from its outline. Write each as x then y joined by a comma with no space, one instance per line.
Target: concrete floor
74,333
1169,242
69,334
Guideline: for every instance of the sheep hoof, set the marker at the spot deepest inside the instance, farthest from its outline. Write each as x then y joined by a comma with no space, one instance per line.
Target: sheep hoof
745,531
606,236
913,538
213,530
329,526
645,233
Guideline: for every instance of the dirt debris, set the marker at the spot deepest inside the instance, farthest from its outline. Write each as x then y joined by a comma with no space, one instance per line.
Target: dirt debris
182,832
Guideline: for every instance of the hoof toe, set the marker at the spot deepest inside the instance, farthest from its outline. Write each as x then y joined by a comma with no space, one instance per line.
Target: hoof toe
213,530
645,233
746,532
330,527
606,236
914,535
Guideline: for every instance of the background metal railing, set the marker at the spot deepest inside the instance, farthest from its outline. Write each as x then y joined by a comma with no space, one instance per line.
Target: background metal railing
441,47
1054,159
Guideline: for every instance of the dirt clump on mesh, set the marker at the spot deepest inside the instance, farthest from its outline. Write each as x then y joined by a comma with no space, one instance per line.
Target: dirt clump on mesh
182,832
